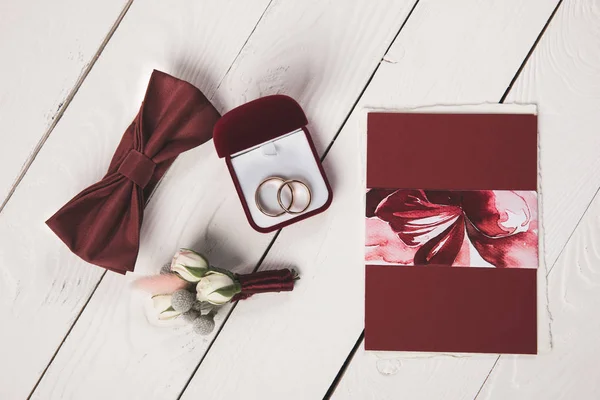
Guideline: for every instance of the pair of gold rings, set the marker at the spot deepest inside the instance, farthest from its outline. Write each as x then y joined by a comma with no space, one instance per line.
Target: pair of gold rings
285,183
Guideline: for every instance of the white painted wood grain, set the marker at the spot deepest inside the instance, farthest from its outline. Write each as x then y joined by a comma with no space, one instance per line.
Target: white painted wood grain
571,370
196,205
45,46
291,346
322,55
381,377
563,76
43,286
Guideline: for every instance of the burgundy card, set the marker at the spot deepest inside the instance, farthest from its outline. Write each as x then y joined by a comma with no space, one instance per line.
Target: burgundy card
451,233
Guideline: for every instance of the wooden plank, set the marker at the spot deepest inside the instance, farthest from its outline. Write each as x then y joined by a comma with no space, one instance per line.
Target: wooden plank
291,346
570,370
389,377
43,287
47,48
563,77
286,46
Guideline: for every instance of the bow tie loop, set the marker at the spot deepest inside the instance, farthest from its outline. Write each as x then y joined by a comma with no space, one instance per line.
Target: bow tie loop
137,167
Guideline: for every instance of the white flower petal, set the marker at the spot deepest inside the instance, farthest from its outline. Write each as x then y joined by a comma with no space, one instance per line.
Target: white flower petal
190,258
169,314
201,296
218,299
209,286
161,302
188,273
190,265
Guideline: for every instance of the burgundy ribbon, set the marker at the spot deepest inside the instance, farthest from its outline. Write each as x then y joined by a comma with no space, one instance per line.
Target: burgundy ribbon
102,223
281,280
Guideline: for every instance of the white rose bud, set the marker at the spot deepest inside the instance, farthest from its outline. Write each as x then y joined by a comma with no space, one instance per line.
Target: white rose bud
217,288
162,305
190,265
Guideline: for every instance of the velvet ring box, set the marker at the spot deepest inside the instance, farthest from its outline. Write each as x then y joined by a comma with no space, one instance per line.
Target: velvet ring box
266,138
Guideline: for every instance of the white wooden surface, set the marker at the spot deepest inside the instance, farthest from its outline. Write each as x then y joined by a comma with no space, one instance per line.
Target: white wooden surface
323,54
323,319
566,91
563,77
46,48
206,225
184,38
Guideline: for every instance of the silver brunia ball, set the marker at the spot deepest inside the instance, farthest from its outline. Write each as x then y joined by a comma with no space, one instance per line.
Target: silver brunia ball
204,324
182,300
190,316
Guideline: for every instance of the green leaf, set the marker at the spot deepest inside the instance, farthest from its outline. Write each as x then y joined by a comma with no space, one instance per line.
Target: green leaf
229,291
196,272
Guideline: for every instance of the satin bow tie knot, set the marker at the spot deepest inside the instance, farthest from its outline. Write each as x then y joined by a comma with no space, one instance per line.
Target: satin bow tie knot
137,168
102,223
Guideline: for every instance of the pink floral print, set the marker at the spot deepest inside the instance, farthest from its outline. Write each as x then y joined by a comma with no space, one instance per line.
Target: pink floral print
452,228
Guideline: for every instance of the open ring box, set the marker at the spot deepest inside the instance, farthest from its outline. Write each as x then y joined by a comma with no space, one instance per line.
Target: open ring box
267,138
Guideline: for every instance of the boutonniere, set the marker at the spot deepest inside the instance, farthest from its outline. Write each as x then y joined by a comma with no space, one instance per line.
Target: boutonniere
192,289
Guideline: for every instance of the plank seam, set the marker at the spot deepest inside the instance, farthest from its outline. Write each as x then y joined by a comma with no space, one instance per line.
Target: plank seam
211,97
276,234
226,319
243,46
206,352
531,50
64,105
45,137
265,253
502,99
573,232
65,337
342,371
88,68
487,377
362,92
360,339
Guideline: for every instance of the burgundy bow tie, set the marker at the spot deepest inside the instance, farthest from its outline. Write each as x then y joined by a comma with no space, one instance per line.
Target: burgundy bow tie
102,223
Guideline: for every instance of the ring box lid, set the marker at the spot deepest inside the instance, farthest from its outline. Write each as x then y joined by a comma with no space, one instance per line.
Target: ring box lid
257,122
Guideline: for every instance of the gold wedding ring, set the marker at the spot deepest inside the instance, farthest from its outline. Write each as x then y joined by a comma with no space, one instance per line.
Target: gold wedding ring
259,204
288,184
285,209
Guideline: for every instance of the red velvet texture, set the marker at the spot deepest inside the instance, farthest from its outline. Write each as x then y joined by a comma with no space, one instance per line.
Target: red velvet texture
281,280
257,122
102,223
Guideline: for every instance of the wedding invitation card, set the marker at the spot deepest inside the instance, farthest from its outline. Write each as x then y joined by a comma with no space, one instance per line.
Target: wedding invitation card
451,247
